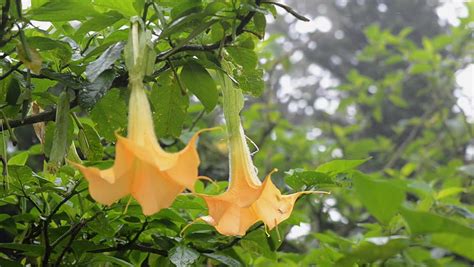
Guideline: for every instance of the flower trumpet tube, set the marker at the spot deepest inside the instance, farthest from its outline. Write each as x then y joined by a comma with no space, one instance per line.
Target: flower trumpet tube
247,200
142,168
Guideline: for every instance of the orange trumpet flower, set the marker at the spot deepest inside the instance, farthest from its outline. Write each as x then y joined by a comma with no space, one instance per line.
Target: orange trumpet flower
246,200
142,168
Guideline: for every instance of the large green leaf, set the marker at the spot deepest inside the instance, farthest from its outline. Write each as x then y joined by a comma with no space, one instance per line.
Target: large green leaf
19,159
93,91
340,165
110,114
63,49
368,252
126,7
245,57
257,242
227,260
98,23
95,68
27,249
458,244
8,263
106,259
251,81
445,232
62,131
301,179
63,10
89,143
200,83
417,222
382,198
170,105
182,256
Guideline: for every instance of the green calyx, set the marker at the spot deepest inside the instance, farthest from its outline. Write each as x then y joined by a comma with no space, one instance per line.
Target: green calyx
139,52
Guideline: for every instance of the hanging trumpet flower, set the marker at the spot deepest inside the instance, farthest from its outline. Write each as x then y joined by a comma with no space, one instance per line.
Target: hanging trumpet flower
246,200
142,168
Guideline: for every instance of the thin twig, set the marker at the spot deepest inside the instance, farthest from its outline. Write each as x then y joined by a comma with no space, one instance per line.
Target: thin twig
196,120
47,247
66,199
41,117
12,69
413,133
131,245
69,243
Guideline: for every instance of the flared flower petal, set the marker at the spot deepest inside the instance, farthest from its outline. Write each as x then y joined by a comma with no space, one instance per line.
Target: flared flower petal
137,172
270,207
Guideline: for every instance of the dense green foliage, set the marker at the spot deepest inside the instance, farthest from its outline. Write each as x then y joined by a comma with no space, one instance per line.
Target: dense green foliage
401,195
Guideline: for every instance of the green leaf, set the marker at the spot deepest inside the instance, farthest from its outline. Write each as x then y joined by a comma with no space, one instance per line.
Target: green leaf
7,263
227,260
372,32
200,28
13,91
245,57
250,81
450,191
125,7
19,159
260,23
458,244
398,101
178,25
95,68
368,252
101,258
102,226
417,222
26,249
63,10
185,7
258,243
170,105
301,179
445,232
89,143
63,127
93,91
50,136
340,165
420,55
382,198
137,257
63,49
98,23
110,114
200,83
182,256
420,68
